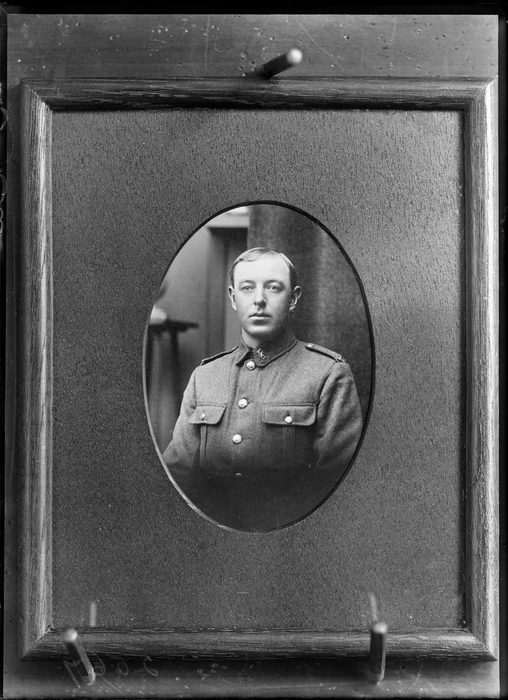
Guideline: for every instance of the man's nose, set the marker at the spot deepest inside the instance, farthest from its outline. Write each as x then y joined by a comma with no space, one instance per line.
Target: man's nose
259,296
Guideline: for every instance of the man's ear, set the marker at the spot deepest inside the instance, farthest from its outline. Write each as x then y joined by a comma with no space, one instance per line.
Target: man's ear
295,295
231,293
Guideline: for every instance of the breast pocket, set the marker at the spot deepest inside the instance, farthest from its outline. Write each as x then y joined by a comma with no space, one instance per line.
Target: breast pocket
290,429
208,417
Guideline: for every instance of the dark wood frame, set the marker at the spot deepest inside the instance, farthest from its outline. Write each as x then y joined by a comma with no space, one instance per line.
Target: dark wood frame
476,99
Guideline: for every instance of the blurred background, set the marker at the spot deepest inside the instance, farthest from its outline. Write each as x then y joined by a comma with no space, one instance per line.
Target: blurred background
192,317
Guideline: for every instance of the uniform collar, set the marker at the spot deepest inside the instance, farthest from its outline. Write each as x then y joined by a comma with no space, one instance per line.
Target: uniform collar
264,354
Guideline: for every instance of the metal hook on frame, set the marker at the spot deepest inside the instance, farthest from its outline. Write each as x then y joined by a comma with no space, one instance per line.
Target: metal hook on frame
377,651
281,63
78,654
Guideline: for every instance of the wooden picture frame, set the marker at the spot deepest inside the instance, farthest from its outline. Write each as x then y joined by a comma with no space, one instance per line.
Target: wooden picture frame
476,100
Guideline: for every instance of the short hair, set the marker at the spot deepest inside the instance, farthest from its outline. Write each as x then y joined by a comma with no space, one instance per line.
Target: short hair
256,253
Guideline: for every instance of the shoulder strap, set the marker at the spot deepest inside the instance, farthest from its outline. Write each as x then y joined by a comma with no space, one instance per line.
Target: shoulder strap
324,351
219,354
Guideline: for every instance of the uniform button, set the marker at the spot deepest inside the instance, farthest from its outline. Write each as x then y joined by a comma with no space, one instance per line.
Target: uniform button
237,439
243,403
250,364
203,415
288,419
310,345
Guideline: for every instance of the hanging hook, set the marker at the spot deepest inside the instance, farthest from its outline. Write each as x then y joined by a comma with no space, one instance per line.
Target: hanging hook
286,60
77,652
377,652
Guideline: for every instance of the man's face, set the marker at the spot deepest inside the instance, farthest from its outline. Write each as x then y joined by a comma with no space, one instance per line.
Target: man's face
263,298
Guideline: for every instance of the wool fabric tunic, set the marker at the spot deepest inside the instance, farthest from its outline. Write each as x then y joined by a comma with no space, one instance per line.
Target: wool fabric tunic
265,423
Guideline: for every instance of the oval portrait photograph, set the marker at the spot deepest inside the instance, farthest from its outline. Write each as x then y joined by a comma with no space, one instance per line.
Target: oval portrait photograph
259,367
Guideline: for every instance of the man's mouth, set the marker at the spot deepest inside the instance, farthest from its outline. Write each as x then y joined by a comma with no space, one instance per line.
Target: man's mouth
259,316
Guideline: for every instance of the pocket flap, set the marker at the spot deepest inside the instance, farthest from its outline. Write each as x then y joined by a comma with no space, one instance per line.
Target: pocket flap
207,415
290,414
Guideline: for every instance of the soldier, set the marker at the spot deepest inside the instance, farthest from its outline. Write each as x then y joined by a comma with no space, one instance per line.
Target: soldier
268,428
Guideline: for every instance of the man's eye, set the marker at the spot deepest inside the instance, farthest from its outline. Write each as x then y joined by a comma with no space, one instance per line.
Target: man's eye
246,288
274,288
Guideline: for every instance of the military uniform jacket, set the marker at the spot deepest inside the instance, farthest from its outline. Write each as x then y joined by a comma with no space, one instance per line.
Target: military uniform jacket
286,407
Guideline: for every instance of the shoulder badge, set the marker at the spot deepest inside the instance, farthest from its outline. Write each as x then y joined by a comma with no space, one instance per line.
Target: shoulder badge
324,351
219,354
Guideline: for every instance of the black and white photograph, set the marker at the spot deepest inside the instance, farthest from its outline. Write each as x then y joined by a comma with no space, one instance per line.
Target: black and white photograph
254,339
268,423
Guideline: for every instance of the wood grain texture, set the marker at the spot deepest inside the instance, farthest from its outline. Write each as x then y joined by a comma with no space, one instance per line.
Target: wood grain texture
434,643
472,99
483,363
291,93
36,347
